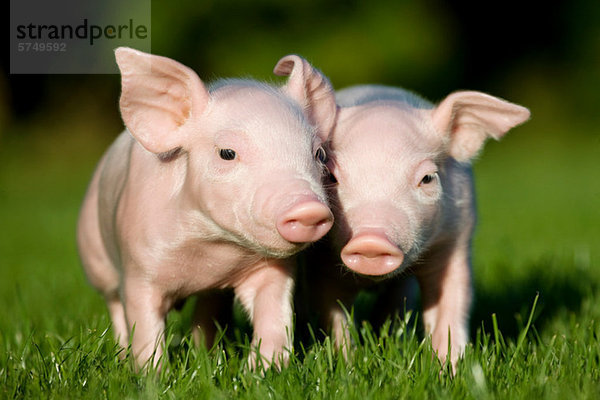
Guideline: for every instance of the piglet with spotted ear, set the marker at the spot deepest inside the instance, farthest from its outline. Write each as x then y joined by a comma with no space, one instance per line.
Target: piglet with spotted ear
208,188
403,200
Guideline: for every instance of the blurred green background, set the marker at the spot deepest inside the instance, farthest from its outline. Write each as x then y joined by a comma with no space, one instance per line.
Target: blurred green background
538,190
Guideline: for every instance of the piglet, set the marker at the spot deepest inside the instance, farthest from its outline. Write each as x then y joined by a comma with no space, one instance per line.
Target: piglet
208,188
404,203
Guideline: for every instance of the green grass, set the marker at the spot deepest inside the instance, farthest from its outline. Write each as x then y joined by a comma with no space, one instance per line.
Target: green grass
538,235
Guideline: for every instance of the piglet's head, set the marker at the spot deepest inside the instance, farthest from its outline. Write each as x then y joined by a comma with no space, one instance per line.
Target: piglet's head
394,158
248,156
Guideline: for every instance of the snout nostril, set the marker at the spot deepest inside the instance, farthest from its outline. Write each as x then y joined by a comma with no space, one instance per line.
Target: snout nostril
321,222
368,254
325,221
309,215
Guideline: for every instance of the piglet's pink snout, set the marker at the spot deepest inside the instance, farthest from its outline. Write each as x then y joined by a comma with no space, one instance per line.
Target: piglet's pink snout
306,221
372,254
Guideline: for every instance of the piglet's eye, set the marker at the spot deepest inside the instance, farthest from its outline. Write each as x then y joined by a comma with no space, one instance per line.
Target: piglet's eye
227,154
321,155
428,179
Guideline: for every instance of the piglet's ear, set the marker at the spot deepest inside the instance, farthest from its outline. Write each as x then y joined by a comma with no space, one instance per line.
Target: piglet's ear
159,99
469,118
311,89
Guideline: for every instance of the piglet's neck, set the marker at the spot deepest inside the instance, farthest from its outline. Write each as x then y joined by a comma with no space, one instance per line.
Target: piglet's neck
163,177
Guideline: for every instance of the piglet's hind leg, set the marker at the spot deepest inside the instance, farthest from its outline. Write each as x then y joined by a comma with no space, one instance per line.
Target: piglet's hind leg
119,323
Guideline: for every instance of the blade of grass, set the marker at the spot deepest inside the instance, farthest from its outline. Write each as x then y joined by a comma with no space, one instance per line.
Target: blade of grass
523,334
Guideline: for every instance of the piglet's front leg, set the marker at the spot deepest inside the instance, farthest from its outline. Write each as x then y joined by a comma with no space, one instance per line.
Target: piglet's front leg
145,309
266,294
445,283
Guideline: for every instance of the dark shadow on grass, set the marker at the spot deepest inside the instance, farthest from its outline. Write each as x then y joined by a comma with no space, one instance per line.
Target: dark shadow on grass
562,286
511,301
233,328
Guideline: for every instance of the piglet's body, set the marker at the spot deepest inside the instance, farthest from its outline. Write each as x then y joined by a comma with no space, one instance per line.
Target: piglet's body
207,189
404,201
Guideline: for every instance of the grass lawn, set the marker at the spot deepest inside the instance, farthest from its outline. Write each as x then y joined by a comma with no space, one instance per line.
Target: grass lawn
538,234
